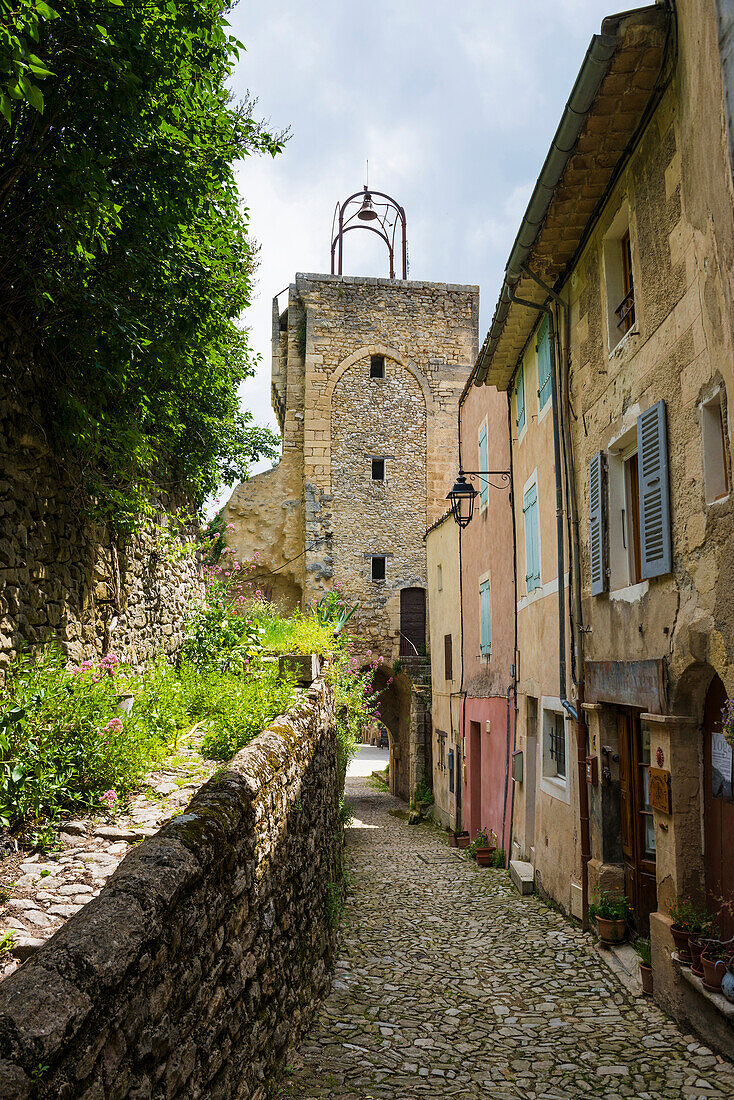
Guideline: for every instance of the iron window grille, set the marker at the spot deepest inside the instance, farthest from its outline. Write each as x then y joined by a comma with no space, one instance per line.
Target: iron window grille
557,744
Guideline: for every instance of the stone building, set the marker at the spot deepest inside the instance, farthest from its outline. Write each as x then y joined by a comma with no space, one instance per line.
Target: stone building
366,377
627,252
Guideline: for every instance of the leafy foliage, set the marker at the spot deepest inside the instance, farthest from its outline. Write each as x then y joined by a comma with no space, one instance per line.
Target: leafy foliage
333,610
609,906
123,243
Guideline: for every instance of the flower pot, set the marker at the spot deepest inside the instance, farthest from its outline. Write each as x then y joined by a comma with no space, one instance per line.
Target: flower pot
456,837
680,938
463,840
727,985
695,947
611,930
483,856
713,972
646,979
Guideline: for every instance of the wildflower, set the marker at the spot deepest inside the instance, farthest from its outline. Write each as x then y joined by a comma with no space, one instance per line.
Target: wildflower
109,798
114,725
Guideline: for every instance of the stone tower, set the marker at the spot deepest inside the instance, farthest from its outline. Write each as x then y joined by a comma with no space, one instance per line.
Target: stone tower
366,379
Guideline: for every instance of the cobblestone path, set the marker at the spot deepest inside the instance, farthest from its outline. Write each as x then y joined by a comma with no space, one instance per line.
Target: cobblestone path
449,984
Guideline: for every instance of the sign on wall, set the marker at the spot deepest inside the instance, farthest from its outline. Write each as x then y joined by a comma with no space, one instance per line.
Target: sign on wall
659,789
629,683
721,766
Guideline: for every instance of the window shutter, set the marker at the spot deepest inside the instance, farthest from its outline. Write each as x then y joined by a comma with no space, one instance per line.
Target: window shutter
544,364
448,657
652,449
532,539
520,399
597,526
485,614
483,481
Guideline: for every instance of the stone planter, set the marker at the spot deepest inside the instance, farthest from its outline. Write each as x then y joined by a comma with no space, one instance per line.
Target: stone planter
611,930
304,667
646,979
713,972
680,938
483,856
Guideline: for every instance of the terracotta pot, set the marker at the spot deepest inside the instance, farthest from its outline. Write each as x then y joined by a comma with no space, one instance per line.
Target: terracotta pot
695,947
713,972
456,837
463,841
680,938
484,856
611,931
646,979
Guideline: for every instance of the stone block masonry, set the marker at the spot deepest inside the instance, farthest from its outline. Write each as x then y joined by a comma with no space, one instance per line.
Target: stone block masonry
202,959
63,577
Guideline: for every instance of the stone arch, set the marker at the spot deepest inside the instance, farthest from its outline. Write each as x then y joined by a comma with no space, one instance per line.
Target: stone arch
689,696
393,702
389,353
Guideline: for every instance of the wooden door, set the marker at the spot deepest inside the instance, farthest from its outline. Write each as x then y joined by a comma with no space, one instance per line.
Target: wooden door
718,812
412,622
638,827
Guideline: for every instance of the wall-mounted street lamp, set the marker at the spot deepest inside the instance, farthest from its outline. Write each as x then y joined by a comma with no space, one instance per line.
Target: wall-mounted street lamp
463,494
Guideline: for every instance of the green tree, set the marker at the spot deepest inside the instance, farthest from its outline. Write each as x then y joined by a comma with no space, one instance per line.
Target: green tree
124,246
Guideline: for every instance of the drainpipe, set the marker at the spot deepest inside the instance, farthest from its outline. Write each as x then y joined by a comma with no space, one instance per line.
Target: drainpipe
575,713
514,614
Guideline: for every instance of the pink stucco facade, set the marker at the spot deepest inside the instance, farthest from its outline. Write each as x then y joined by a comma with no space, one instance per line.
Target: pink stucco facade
487,558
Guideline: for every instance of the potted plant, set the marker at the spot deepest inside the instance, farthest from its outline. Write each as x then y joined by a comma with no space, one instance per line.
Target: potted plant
688,920
459,838
610,912
484,852
644,957
697,942
715,962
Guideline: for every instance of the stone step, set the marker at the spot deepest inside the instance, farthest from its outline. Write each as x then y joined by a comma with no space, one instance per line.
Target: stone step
522,875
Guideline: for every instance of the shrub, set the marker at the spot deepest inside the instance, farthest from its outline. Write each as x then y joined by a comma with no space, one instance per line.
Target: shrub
235,708
609,906
644,951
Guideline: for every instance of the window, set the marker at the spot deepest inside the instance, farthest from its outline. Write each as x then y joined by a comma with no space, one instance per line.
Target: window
619,279
439,578
485,619
544,363
532,538
629,507
483,465
378,567
441,739
451,771
377,366
554,745
378,469
520,399
448,657
715,471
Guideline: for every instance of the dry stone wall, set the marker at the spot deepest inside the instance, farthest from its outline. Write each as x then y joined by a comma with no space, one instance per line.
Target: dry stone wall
204,956
65,578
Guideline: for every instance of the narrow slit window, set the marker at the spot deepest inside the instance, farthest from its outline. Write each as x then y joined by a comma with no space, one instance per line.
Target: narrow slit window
378,567
448,657
378,469
377,366
715,472
625,311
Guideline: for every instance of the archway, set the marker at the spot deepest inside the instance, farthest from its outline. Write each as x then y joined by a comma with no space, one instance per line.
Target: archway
393,702
718,811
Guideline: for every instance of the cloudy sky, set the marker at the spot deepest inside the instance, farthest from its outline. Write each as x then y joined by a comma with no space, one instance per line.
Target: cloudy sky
453,103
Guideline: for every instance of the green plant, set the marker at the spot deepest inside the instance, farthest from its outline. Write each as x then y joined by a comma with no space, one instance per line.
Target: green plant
124,246
643,948
334,611
483,839
609,906
346,812
6,942
691,917
422,793
499,859
235,708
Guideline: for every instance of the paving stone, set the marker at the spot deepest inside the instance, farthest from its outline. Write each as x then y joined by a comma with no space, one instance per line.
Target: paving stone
449,984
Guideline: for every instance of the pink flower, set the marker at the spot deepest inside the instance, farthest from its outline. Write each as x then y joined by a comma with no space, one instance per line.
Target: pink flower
109,798
115,725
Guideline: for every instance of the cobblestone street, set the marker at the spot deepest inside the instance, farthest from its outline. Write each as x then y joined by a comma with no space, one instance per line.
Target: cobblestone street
449,984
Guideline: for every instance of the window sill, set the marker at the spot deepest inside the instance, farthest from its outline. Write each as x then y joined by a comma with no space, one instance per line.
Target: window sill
542,413
631,592
621,344
718,1000
718,500
556,788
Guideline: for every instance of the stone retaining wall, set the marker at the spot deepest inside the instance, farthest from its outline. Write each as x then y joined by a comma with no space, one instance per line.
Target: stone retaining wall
62,576
204,956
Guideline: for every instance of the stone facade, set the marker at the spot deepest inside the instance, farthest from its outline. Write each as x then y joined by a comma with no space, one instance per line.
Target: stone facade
70,580
202,959
317,519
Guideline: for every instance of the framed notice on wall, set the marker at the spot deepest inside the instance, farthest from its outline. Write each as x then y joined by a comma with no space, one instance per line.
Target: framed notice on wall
721,766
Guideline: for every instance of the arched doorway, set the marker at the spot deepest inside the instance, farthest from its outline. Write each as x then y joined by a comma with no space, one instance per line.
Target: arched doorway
393,702
718,811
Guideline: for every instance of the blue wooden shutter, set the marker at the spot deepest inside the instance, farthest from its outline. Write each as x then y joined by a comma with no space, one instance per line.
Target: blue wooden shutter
597,525
485,617
544,363
532,539
520,399
483,481
656,551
